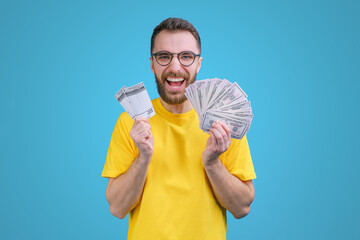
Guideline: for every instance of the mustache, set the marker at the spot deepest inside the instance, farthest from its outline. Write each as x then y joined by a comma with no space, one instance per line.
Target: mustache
172,74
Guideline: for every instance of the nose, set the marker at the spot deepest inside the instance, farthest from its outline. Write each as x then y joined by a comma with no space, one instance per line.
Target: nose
175,65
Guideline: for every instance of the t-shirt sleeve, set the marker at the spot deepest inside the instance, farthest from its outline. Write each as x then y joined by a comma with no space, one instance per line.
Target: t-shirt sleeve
237,159
122,150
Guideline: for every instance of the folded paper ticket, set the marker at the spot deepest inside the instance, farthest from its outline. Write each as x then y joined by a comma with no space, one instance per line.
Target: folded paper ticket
136,101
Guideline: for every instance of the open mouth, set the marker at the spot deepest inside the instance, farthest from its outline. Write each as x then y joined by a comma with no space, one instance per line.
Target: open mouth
175,83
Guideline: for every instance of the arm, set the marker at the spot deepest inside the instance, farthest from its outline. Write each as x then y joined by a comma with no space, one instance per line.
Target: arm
124,192
232,193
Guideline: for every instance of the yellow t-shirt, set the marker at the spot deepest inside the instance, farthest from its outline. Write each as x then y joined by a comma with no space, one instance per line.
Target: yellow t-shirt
178,202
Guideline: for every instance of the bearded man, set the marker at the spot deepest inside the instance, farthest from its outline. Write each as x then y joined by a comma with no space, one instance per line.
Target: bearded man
174,180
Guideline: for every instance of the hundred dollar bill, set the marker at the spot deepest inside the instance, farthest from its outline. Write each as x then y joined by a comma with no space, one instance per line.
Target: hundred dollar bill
240,117
218,92
233,94
240,105
238,130
200,86
191,97
136,101
214,84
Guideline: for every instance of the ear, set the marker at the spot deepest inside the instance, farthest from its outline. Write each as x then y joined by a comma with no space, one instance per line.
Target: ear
152,65
199,65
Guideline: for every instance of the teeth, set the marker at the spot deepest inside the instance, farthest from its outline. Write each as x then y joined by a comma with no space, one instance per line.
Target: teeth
175,79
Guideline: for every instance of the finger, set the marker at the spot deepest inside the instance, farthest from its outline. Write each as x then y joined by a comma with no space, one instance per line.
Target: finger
144,136
220,126
225,127
149,134
145,133
142,124
218,138
212,138
227,131
223,138
212,143
141,119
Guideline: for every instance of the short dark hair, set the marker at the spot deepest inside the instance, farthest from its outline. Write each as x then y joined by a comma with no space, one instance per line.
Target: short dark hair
175,24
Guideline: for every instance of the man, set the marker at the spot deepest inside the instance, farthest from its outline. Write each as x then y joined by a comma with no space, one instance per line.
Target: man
174,180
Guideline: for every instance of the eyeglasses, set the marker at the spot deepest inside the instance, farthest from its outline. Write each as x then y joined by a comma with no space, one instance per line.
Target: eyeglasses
164,58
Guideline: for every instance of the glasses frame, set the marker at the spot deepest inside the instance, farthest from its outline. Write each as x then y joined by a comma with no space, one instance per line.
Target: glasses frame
172,55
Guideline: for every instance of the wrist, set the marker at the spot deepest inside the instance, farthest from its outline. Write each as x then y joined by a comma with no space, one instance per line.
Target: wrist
144,159
209,162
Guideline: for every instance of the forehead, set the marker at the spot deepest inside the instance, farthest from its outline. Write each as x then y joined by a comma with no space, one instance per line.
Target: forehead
175,41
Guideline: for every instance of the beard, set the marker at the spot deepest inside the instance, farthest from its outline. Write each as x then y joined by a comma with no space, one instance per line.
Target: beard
173,98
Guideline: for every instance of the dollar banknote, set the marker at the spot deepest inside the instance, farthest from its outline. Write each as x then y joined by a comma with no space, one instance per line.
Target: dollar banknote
220,100
238,128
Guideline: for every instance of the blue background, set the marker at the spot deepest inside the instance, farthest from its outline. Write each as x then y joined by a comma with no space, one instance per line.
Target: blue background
61,62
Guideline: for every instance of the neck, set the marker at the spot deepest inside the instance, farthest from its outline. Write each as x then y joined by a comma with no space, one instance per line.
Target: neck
177,108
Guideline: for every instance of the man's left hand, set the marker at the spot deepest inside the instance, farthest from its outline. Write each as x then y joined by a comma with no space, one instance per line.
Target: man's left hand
218,142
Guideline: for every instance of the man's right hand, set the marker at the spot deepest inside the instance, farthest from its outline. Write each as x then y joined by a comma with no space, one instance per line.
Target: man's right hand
124,192
142,136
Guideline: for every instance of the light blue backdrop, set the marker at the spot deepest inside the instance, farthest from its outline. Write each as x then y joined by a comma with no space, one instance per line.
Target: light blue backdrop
61,62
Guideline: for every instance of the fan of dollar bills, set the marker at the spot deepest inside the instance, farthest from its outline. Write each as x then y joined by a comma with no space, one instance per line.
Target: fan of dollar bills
218,99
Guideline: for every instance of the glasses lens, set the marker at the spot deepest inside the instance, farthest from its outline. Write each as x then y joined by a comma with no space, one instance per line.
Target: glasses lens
186,58
163,58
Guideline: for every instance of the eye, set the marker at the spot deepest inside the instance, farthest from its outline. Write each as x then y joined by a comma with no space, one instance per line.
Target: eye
187,56
163,56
